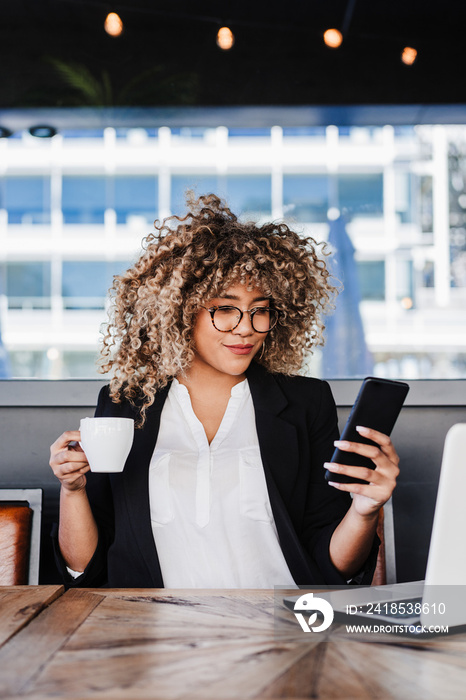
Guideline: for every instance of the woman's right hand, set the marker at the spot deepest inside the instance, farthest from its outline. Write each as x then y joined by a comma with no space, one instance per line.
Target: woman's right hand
68,461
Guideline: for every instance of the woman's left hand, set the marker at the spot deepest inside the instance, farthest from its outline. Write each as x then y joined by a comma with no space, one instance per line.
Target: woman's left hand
368,498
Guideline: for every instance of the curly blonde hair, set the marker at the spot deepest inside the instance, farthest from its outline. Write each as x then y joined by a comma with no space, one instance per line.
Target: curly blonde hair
148,338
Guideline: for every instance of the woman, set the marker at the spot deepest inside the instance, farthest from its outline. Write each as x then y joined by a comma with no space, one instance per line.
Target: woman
224,486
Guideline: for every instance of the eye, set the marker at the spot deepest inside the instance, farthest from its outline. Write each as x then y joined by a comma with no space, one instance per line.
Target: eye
226,311
261,311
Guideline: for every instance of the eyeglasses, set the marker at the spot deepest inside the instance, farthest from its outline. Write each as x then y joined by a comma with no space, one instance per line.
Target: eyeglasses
227,318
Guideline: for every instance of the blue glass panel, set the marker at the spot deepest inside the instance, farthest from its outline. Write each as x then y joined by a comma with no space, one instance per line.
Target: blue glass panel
28,283
306,197
83,200
201,184
404,131
27,199
371,276
361,194
85,283
249,193
195,132
136,195
243,193
82,133
405,280
122,132
304,131
253,132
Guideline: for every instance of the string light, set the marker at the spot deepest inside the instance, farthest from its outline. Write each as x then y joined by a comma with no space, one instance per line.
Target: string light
408,55
225,38
407,303
113,24
333,38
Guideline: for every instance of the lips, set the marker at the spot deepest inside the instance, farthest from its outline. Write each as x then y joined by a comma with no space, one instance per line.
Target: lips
240,349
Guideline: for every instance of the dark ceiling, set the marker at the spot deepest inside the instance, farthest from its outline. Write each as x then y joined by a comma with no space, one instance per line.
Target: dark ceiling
55,53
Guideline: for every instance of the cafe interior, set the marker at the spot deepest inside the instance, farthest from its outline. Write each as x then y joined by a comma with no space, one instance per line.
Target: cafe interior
170,90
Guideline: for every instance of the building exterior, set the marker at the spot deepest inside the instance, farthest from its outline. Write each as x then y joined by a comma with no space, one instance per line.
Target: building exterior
75,208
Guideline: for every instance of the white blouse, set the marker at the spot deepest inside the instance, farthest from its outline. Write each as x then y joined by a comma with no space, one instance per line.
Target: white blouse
210,510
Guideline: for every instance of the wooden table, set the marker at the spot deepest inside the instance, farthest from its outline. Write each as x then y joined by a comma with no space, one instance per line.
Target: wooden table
21,604
161,644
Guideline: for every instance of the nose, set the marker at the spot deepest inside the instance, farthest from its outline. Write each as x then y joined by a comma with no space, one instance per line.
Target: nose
245,326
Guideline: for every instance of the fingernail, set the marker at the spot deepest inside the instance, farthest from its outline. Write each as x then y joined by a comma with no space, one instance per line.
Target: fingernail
362,429
331,466
340,443
334,484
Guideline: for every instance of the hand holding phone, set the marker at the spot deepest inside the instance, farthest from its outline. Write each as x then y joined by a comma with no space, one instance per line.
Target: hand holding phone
377,406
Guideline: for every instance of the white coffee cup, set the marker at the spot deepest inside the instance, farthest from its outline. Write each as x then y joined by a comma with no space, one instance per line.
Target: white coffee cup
106,442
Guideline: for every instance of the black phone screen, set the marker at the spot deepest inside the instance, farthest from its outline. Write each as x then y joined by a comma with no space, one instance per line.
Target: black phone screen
377,406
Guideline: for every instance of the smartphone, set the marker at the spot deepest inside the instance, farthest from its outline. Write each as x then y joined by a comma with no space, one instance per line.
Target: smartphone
377,406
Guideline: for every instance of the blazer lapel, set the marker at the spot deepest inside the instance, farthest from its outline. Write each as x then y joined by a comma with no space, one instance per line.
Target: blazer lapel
279,447
136,485
277,438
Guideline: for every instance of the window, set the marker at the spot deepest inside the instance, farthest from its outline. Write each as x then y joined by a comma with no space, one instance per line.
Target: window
85,283
27,363
82,133
316,132
134,196
248,195
371,276
411,265
28,285
404,190
305,197
27,199
200,184
186,132
83,200
405,282
79,364
360,195
248,132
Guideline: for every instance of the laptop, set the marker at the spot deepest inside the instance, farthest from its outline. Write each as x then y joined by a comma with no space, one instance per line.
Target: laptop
440,600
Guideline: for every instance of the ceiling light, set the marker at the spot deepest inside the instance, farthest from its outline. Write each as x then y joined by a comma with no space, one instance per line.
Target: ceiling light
42,131
113,24
225,38
408,55
333,38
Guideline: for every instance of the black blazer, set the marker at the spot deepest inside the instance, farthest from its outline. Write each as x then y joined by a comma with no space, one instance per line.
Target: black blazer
296,423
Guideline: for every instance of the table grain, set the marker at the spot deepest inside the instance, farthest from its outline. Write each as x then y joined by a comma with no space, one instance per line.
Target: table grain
20,604
162,644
